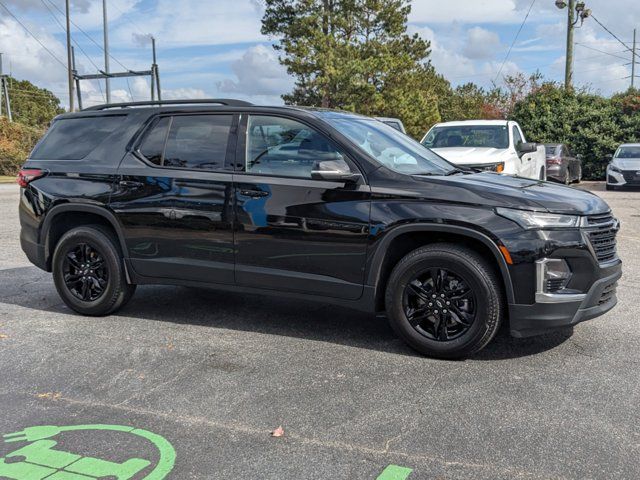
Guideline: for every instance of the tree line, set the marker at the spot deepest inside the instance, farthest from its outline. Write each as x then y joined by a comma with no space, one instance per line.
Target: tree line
357,55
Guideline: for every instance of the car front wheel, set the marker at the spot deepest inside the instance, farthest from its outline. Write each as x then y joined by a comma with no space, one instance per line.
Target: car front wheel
445,301
88,271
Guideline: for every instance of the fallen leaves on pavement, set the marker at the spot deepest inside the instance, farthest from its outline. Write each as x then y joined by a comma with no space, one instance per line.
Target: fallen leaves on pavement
278,432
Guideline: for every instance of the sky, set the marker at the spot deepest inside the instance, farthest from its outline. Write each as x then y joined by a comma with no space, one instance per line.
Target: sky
214,48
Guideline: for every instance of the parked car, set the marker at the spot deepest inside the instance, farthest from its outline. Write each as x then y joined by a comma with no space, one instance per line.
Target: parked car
309,204
624,167
493,145
562,165
393,122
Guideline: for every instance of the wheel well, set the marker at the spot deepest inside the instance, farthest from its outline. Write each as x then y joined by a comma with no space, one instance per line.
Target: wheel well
65,221
407,242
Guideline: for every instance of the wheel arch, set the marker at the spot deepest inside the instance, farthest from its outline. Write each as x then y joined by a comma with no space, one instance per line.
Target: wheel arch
403,239
70,215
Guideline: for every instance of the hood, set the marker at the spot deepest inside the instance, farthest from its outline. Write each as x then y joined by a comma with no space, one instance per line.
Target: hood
627,163
470,155
513,192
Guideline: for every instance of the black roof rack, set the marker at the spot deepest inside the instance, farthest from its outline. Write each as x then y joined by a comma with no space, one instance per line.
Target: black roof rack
200,101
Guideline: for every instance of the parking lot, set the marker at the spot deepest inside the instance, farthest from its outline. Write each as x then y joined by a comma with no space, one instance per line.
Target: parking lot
215,373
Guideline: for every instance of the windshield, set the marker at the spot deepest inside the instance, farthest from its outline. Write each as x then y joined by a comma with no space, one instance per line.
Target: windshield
628,152
476,136
390,147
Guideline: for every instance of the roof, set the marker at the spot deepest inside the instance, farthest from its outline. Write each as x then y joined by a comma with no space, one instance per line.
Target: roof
469,123
630,145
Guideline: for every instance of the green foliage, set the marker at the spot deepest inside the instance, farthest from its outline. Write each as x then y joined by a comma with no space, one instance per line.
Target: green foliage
592,126
16,142
31,105
355,55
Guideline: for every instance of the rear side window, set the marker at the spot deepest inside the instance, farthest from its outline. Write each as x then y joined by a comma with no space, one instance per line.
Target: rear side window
75,138
198,141
152,146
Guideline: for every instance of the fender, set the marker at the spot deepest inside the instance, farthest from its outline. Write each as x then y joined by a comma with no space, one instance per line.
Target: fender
378,257
85,208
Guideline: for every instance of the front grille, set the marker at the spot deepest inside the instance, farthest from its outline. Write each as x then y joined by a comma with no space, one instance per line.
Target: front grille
608,294
631,177
602,234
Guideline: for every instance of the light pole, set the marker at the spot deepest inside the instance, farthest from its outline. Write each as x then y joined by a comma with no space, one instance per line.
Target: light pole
69,58
579,8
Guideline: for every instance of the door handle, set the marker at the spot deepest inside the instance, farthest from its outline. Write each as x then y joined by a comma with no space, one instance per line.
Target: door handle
131,184
254,193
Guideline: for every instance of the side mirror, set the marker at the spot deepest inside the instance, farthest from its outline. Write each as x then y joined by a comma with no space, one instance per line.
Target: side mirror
529,147
609,156
334,171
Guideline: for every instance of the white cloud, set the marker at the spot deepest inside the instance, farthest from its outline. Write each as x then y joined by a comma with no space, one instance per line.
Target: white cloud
481,44
258,72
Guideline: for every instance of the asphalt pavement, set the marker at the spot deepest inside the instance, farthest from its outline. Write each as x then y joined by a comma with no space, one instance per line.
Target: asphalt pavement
186,383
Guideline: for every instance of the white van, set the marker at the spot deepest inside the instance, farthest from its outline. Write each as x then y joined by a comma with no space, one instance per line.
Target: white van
495,145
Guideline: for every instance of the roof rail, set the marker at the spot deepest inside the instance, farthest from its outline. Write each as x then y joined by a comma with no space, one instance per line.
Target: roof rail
200,101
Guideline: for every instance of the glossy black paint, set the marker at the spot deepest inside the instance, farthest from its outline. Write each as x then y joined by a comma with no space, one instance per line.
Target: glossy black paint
321,240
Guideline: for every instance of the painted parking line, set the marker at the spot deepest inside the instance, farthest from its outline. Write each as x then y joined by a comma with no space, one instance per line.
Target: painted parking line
395,472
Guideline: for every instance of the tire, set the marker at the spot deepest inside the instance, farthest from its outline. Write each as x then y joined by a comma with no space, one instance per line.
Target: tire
567,180
543,175
101,270
461,263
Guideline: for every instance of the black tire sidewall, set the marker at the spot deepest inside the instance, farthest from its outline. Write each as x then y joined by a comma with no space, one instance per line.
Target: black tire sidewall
484,295
104,245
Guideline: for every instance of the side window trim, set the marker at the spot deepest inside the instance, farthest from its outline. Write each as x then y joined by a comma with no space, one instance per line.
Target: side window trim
242,145
231,144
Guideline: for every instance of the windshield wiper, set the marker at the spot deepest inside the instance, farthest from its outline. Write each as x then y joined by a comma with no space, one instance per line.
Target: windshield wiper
456,170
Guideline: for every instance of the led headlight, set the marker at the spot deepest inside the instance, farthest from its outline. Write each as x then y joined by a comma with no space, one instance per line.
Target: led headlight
613,168
532,220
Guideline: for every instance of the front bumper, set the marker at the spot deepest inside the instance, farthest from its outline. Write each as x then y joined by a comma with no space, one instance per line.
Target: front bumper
539,318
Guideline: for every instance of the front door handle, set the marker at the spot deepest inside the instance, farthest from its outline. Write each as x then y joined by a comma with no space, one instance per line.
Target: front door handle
131,184
254,193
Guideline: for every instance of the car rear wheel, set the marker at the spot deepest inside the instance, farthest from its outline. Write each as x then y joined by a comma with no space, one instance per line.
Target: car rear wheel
445,301
88,271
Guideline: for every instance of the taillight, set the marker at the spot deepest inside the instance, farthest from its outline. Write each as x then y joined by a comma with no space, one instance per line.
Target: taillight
554,161
28,175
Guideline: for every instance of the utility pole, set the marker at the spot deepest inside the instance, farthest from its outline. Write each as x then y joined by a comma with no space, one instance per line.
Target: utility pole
107,80
568,70
4,92
633,60
69,59
156,74
75,75
579,8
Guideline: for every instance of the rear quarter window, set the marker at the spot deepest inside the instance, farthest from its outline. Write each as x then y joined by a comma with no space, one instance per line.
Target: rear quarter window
75,138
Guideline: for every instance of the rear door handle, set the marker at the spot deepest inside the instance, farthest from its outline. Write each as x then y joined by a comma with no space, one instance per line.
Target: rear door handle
131,184
254,193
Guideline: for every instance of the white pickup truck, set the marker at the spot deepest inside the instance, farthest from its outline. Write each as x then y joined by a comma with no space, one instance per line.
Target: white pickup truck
495,145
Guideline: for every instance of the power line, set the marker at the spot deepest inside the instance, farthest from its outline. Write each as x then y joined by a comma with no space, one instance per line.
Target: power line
34,37
89,36
514,40
614,35
74,41
602,51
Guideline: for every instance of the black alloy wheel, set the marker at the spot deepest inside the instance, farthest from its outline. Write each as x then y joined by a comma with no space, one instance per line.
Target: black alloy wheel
86,274
89,271
440,305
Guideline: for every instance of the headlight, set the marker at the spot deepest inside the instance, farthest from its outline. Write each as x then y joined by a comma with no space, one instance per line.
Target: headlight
531,220
613,168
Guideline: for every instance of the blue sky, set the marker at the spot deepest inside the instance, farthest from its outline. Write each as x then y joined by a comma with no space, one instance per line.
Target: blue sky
214,48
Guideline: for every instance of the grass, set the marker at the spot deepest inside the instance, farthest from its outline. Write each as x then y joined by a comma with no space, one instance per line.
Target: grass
7,179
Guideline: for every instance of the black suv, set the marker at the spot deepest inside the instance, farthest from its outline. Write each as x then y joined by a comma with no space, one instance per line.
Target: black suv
314,204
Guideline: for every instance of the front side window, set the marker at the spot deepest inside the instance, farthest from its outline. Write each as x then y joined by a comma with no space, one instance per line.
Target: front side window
517,138
388,146
284,147
472,136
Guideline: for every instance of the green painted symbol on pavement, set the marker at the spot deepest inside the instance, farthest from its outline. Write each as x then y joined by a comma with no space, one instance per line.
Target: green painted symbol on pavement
39,459
394,472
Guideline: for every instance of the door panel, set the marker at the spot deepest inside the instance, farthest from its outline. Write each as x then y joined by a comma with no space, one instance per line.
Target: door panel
178,222
298,234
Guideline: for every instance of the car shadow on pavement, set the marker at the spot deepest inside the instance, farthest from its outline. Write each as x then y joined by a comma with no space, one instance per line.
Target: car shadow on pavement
29,287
